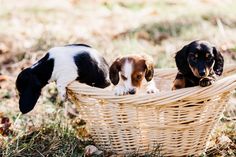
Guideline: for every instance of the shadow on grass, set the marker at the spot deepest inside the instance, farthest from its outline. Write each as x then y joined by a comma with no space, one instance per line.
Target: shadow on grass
51,139
46,141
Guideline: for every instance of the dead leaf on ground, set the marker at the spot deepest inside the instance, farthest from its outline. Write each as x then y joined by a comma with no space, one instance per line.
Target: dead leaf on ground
3,78
5,125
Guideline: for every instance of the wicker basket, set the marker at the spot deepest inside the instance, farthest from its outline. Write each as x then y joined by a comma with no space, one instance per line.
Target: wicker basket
180,121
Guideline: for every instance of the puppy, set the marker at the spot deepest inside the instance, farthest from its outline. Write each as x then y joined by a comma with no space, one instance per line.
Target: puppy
198,63
63,65
128,73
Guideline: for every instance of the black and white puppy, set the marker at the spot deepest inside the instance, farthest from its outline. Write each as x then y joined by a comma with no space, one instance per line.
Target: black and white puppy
63,65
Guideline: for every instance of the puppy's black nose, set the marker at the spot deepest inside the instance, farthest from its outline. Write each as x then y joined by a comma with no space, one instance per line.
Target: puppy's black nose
133,91
202,73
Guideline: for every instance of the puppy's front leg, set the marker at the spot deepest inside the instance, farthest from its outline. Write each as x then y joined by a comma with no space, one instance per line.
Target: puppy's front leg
179,81
207,81
151,87
62,91
62,82
120,90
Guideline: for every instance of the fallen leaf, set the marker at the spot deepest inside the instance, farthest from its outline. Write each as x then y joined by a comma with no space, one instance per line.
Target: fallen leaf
3,78
5,125
91,150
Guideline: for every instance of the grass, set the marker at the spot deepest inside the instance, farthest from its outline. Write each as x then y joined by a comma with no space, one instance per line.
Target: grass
130,5
49,140
158,28
55,137
156,152
225,140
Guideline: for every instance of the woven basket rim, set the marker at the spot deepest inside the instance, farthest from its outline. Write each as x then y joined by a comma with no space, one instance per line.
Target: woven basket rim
224,84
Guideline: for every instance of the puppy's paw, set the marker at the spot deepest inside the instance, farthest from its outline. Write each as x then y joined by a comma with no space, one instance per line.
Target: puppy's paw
206,81
152,89
121,90
174,88
63,95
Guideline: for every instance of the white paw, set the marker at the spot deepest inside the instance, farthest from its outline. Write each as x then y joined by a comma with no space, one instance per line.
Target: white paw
63,95
121,90
152,89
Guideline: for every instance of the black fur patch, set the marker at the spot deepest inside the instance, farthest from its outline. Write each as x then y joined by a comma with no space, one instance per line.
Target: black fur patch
44,69
219,62
89,72
181,61
30,82
79,45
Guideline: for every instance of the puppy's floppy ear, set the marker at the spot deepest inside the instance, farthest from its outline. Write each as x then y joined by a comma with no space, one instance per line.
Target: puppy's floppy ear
181,60
28,99
29,88
219,62
149,68
114,71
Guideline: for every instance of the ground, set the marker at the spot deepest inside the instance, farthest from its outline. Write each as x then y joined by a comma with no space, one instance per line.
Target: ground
160,28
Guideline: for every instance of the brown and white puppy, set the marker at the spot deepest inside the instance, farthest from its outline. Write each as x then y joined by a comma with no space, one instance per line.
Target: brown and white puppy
130,72
199,63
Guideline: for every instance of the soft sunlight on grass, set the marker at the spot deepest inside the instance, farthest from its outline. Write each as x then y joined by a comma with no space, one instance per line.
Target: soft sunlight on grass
158,28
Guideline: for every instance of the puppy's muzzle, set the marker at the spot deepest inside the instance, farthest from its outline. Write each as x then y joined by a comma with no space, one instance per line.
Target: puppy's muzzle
202,73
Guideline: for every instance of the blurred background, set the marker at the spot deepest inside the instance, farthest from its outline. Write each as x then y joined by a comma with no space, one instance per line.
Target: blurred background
28,28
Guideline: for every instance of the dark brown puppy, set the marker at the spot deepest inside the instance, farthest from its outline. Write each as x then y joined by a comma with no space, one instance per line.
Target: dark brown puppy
198,63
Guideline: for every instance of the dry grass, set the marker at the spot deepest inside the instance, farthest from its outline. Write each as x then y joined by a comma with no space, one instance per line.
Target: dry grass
158,28
55,137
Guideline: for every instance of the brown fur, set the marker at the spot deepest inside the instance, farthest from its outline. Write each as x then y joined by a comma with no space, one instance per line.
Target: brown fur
198,63
179,82
142,68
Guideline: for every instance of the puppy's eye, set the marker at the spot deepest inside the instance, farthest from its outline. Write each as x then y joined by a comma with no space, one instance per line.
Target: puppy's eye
139,77
193,58
209,57
123,77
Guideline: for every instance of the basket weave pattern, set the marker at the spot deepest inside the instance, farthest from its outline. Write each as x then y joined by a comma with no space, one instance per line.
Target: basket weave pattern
180,121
